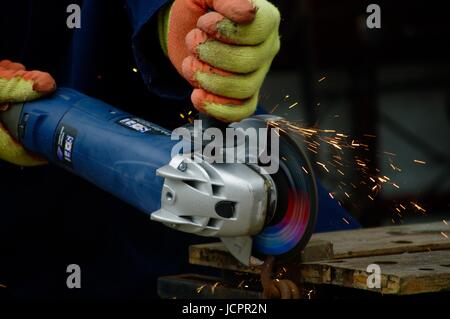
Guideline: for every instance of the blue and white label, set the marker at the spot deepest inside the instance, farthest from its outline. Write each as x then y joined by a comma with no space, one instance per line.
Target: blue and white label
143,126
65,143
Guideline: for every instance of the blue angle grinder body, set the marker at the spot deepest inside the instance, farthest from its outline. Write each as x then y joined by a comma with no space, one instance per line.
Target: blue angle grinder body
254,213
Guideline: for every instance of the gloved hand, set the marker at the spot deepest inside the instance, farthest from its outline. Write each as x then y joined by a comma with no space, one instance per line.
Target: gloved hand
224,48
18,85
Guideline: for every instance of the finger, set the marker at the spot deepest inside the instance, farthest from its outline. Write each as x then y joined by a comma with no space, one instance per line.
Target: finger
13,152
7,64
226,84
267,20
184,16
221,108
239,11
20,86
232,58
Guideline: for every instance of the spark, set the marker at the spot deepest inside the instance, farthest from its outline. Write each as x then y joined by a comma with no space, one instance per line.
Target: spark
190,112
322,79
324,166
3,286
277,132
420,162
389,153
135,70
418,207
182,115
339,163
316,139
199,289
395,168
273,110
336,146
345,221
361,163
444,234
293,105
213,288
309,293
445,222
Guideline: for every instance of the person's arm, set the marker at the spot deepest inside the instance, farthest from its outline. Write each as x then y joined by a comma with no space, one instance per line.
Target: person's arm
155,68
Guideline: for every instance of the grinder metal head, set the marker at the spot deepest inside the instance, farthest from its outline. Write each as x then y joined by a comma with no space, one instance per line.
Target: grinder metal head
255,211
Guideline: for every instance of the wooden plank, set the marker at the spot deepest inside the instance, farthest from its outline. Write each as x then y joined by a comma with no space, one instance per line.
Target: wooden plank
402,274
217,256
342,244
413,258
388,240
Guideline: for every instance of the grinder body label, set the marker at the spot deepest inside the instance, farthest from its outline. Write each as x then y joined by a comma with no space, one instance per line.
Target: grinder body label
142,126
65,143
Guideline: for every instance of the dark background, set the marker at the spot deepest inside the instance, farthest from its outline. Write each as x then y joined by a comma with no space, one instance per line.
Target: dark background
392,82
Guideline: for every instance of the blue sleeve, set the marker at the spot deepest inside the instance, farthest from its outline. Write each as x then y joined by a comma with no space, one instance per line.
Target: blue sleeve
157,72
140,12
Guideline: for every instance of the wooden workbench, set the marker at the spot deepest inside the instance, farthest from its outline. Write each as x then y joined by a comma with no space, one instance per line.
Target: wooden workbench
413,259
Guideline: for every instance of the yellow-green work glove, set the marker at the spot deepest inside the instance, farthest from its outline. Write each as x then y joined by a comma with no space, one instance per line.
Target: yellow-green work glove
224,48
18,85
